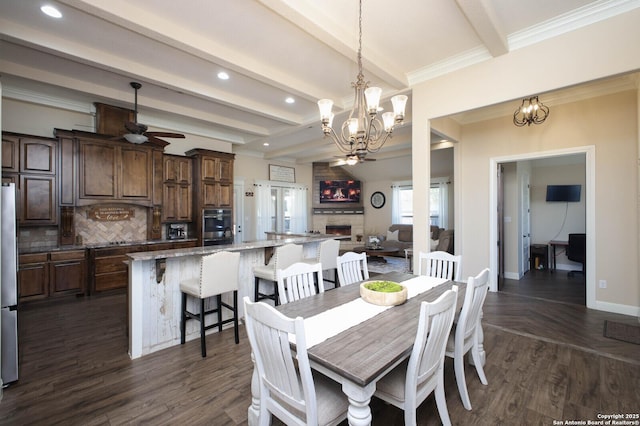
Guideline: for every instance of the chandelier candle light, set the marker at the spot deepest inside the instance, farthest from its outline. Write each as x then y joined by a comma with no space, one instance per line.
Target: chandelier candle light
363,132
531,111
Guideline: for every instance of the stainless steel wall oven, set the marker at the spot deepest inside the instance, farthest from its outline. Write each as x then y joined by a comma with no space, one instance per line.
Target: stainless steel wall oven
217,227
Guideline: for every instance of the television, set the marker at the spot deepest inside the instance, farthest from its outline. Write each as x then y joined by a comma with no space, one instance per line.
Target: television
340,191
565,193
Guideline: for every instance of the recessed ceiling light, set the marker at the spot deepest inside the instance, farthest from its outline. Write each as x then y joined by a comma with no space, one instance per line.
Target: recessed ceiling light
223,75
290,100
51,11
265,144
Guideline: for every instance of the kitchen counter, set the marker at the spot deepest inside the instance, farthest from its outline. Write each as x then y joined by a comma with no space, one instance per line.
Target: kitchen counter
45,249
154,288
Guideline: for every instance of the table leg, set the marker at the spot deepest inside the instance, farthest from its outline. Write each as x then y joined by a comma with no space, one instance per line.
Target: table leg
359,397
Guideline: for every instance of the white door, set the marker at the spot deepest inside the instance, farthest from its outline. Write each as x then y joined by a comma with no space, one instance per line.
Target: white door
525,220
238,220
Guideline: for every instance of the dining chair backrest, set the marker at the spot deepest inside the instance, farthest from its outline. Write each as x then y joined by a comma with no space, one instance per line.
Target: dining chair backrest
466,336
476,293
219,273
299,281
426,363
286,384
440,264
352,267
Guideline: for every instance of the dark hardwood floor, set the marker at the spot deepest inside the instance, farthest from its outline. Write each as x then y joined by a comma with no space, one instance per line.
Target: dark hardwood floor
546,361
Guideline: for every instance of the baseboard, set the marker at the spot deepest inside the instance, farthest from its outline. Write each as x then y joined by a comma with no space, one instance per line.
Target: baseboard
617,308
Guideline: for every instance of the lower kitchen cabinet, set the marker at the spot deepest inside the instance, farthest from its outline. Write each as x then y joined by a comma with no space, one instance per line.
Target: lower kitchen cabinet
109,270
67,272
51,274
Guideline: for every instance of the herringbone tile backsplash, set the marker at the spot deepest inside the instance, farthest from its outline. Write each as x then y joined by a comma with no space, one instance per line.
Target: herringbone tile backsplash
94,231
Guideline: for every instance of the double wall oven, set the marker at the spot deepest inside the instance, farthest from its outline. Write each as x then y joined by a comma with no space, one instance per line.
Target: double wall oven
217,227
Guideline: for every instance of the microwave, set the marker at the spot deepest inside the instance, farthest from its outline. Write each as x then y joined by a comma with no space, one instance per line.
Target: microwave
217,226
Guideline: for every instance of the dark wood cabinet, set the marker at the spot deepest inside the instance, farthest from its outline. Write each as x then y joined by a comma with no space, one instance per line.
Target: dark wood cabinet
67,272
176,189
114,172
212,184
10,153
109,270
33,276
51,274
38,204
31,163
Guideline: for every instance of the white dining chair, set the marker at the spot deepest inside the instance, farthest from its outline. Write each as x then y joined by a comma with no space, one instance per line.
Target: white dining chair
288,389
327,254
299,281
440,264
464,337
352,267
411,382
219,274
283,257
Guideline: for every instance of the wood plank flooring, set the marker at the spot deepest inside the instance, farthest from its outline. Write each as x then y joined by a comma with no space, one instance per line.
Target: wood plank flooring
546,361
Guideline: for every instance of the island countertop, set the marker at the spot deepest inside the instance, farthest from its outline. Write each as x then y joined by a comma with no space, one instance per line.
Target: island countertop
249,245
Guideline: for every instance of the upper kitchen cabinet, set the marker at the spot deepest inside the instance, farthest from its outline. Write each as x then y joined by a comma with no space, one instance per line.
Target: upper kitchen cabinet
31,163
213,186
110,171
176,189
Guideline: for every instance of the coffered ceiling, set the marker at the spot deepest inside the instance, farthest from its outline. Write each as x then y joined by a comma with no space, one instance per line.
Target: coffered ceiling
271,50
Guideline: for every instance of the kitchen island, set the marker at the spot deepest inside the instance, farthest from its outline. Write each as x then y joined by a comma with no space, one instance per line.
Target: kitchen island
154,288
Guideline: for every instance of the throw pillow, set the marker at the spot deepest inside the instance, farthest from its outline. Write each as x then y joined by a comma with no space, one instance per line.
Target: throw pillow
392,236
434,244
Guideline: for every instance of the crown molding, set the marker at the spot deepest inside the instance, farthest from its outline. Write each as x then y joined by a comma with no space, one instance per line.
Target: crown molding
37,98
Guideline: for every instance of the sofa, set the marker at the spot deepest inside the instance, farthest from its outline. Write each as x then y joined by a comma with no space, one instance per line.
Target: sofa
441,239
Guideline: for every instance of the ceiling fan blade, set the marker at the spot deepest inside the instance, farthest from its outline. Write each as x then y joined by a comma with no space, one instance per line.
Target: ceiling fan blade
156,141
165,135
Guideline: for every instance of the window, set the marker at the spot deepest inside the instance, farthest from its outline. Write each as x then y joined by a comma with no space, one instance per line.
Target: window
280,208
402,202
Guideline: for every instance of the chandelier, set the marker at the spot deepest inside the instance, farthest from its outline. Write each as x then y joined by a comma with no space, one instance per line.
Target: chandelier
531,111
362,132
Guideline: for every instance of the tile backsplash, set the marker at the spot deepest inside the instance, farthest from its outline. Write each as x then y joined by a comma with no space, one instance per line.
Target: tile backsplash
96,231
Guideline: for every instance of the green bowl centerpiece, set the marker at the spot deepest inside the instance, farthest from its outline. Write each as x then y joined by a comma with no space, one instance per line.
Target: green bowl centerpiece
383,293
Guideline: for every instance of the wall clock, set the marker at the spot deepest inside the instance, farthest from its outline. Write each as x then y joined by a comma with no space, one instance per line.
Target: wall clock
377,199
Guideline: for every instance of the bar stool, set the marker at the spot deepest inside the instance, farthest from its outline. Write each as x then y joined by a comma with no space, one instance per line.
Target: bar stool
327,255
218,274
283,257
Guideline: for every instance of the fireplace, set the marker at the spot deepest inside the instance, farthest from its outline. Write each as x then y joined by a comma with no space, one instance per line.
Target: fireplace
338,229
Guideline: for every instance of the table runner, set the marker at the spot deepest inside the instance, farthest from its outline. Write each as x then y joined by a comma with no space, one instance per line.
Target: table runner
319,328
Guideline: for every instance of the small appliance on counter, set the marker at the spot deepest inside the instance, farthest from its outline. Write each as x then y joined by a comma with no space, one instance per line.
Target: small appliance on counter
176,231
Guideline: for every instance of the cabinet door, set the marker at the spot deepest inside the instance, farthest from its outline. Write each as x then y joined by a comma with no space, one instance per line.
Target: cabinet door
33,281
38,204
210,167
169,202
136,172
170,169
38,156
210,194
225,170
67,277
97,170
183,172
225,195
10,153
183,209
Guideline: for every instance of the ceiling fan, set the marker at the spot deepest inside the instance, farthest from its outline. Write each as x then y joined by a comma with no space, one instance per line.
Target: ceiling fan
138,132
355,158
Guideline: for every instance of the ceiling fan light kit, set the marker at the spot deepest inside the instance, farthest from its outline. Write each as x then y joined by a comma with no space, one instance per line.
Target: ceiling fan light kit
362,132
531,111
137,139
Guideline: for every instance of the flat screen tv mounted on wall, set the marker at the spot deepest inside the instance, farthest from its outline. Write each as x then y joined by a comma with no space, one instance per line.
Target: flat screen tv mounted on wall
340,191
564,193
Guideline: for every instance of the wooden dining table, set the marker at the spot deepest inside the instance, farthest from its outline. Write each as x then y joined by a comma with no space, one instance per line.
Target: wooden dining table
359,356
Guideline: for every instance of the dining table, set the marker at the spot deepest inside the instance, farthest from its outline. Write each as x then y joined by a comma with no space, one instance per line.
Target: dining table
360,355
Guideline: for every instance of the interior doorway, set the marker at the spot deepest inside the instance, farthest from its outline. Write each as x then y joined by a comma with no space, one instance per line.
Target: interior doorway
588,153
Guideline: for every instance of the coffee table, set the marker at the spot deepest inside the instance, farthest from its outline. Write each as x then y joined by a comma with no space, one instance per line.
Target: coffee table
376,253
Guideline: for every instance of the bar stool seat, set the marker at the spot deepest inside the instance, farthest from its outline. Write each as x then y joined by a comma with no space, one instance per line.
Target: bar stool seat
219,274
283,257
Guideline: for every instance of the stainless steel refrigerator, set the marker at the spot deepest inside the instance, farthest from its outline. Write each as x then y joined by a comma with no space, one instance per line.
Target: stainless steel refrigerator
9,284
